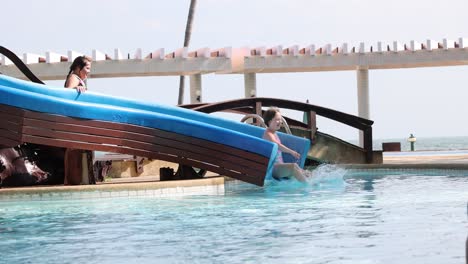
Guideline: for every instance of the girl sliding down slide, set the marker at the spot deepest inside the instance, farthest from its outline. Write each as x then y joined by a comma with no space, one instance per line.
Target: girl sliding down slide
282,170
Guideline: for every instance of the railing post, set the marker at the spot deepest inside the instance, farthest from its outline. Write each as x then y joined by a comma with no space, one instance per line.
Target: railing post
258,111
312,123
368,144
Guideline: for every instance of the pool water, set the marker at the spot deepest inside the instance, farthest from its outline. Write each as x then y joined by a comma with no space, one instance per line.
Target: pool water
343,216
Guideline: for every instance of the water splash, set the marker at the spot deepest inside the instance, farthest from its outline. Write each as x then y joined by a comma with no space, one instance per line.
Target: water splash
323,177
326,175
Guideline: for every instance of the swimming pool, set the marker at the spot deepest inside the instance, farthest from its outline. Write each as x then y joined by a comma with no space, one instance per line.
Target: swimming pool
374,216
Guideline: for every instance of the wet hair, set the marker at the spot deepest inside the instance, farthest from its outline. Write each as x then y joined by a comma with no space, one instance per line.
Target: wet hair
79,63
269,115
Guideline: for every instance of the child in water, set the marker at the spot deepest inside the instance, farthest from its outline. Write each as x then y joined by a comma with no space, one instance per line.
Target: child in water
281,170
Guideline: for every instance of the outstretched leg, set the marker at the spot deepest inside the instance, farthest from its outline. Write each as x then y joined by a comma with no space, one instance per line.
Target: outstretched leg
289,170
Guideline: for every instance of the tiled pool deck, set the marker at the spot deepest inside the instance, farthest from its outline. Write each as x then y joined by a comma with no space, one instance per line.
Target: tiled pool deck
137,187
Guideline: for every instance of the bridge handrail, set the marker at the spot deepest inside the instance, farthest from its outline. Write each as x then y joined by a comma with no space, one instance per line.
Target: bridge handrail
311,110
351,120
261,122
259,119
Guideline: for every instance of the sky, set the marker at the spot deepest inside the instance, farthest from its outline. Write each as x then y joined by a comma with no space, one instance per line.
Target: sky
427,102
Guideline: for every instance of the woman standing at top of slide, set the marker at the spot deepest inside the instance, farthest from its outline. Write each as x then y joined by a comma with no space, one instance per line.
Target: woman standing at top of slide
79,71
76,166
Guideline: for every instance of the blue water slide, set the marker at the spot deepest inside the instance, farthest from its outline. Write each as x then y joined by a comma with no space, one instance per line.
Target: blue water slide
301,145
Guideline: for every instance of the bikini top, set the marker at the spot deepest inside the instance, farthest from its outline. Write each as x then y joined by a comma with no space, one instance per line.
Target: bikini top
279,155
81,82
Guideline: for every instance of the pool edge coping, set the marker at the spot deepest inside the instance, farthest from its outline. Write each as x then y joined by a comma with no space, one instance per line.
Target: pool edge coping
442,166
131,186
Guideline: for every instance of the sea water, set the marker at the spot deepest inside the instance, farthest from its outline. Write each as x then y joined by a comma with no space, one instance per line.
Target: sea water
340,216
426,143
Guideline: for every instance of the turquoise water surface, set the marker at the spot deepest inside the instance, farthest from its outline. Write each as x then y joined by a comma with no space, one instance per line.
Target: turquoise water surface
342,216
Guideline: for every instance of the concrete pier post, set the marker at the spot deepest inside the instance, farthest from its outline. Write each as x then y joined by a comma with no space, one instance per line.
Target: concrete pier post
363,98
195,89
250,85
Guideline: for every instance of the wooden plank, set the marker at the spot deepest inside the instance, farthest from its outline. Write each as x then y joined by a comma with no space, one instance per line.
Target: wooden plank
312,124
12,135
354,121
63,123
67,132
236,167
73,166
8,143
157,147
368,145
9,126
116,138
185,150
11,118
154,155
106,136
11,110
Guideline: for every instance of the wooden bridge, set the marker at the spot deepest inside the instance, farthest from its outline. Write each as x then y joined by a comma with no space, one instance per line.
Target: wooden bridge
254,105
